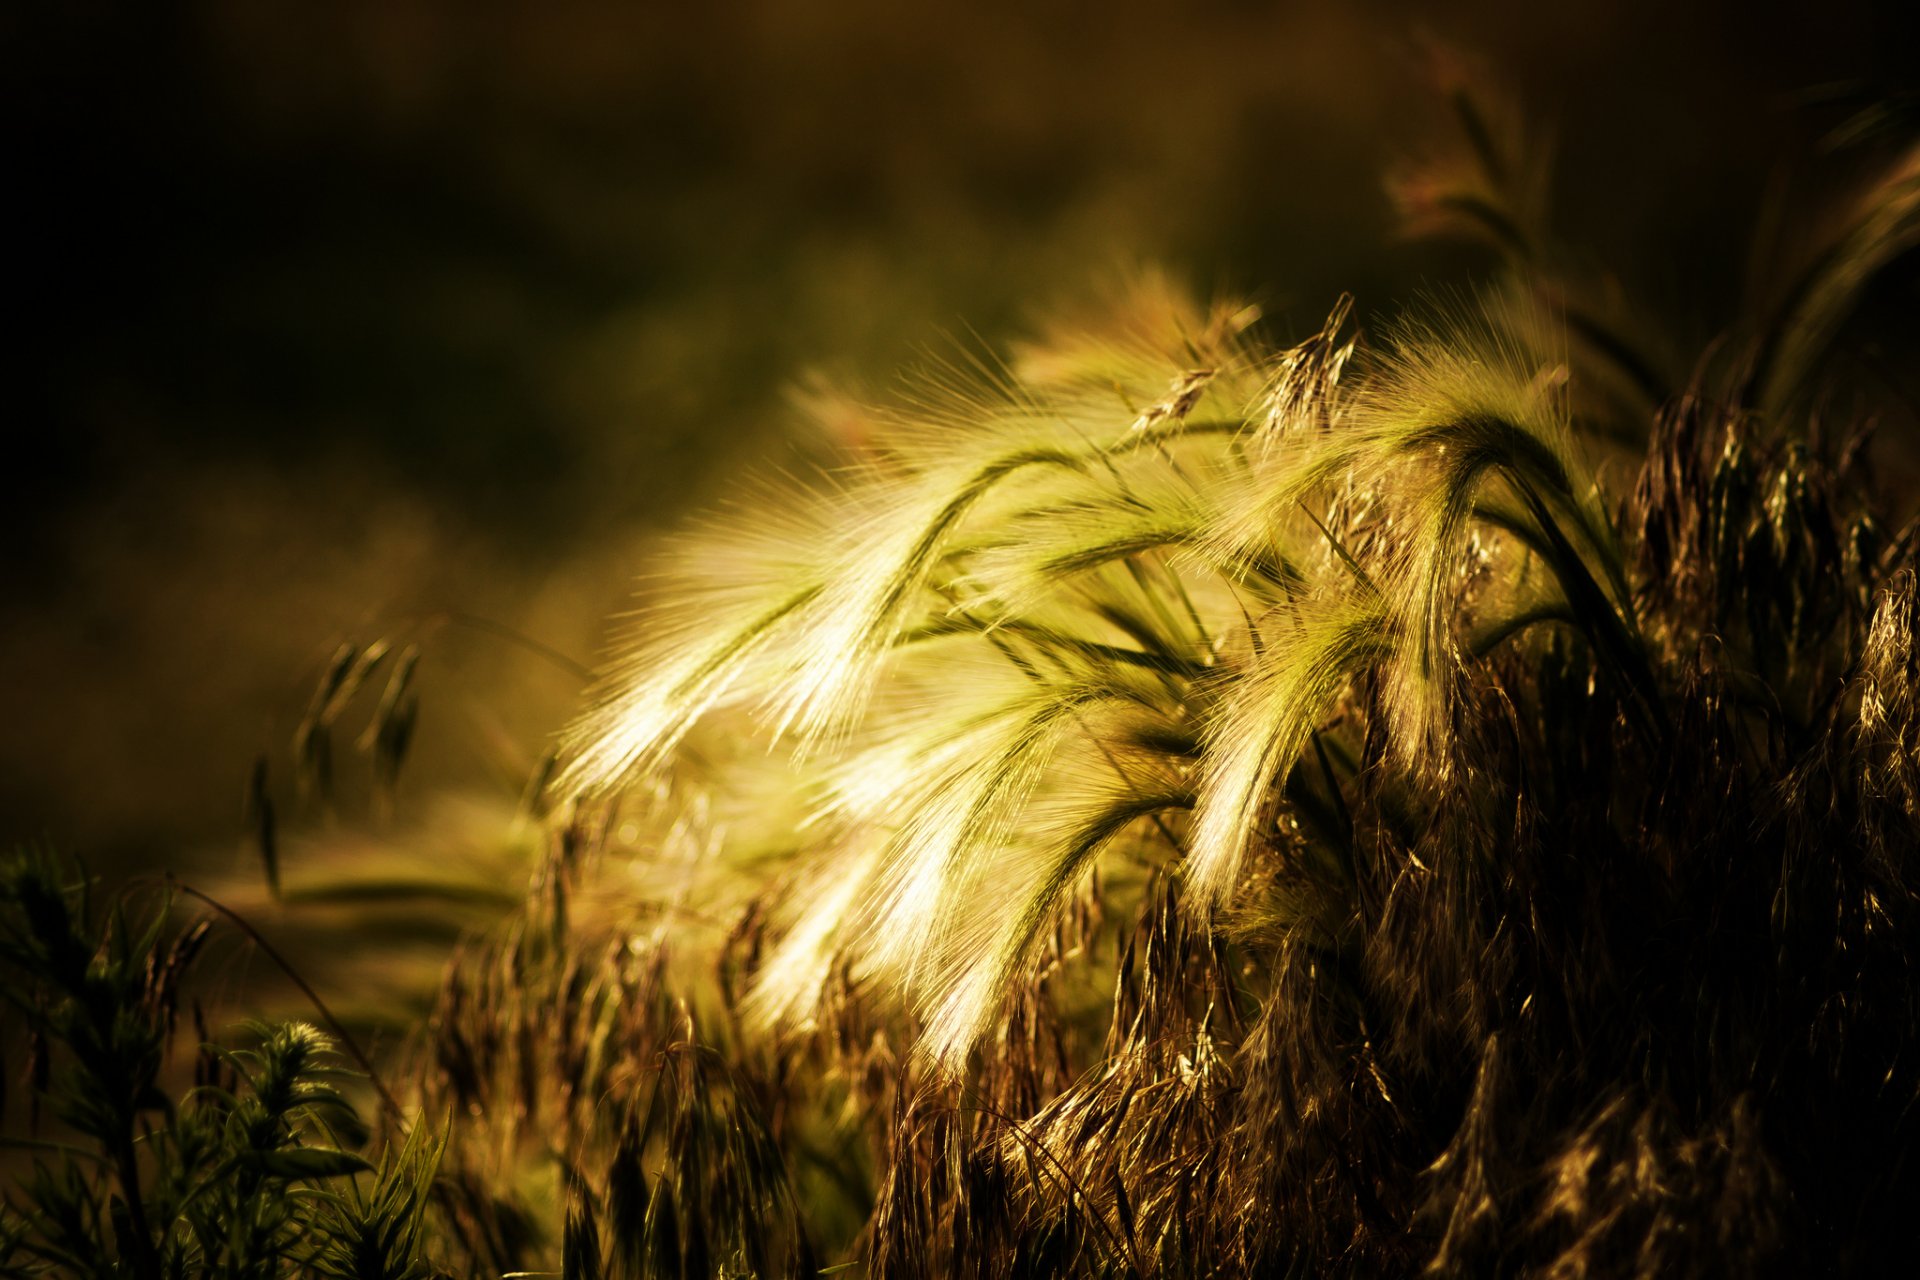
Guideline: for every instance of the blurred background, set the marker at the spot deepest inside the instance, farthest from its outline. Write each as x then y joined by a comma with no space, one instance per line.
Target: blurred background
418,319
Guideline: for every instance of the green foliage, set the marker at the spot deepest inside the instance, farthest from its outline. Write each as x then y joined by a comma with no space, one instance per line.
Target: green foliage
239,1176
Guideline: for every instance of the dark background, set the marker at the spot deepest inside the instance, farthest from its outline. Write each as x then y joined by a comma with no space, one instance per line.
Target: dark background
332,318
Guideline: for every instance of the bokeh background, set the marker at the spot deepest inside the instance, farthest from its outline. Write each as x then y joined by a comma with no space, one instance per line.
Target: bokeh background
345,320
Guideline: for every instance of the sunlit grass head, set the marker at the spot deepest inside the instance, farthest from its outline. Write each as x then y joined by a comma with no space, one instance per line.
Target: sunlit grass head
1106,596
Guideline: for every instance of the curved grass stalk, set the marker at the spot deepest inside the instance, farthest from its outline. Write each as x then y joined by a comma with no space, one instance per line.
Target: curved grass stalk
1882,226
1265,720
969,996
